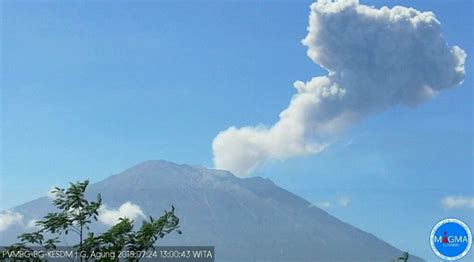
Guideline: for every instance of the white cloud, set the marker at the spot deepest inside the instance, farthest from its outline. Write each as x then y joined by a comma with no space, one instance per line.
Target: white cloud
50,193
375,58
458,202
343,201
111,217
32,224
322,204
9,218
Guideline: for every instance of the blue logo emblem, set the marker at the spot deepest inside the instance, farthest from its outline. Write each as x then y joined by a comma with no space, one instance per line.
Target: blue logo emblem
451,239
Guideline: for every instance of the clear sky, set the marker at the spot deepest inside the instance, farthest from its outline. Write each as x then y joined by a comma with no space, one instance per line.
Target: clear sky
91,88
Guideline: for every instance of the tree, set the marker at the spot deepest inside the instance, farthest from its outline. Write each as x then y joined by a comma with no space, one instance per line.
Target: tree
76,213
403,258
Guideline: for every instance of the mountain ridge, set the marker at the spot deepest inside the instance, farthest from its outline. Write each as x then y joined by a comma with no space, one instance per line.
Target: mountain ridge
247,219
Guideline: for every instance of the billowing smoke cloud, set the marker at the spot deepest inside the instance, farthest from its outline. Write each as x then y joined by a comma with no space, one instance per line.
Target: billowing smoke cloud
375,58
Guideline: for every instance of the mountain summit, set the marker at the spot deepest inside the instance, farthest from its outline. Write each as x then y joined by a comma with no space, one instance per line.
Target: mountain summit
246,219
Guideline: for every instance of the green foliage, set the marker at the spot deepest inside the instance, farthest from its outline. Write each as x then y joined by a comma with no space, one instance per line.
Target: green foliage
122,237
75,215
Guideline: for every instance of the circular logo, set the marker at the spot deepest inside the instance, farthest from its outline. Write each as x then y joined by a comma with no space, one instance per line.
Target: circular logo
450,239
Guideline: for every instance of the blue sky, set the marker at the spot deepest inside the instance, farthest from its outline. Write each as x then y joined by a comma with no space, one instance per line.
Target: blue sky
91,88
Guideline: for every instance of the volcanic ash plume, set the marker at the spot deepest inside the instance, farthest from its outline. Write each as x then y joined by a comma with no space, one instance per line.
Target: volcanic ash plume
375,58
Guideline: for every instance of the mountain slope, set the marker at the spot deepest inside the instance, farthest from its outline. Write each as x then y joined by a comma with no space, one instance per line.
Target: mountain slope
248,219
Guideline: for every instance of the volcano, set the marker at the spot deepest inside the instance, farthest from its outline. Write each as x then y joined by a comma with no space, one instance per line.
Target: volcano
246,219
